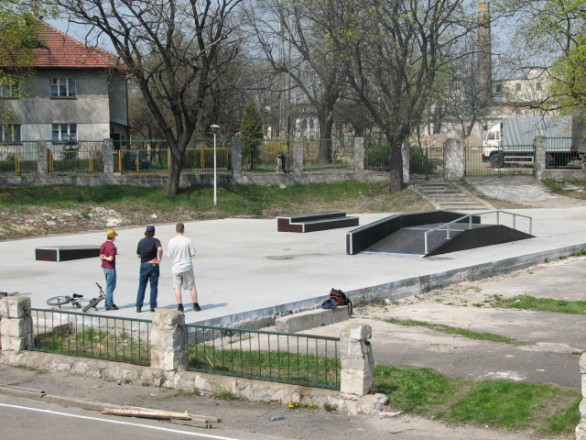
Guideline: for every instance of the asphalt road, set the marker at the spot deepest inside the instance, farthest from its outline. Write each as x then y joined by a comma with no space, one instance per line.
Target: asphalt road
67,423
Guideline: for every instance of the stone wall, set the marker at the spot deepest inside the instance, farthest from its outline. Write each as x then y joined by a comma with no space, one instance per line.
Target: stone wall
454,158
169,362
581,428
224,177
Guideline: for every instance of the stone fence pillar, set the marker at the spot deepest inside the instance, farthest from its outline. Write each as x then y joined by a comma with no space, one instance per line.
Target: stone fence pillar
357,360
108,156
168,341
236,156
454,159
581,428
359,154
298,157
16,325
540,157
42,159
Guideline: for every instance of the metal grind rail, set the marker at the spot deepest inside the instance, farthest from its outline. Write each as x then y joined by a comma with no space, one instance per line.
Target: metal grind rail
449,227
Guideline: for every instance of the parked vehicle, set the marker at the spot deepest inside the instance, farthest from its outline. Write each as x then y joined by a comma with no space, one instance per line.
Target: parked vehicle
512,140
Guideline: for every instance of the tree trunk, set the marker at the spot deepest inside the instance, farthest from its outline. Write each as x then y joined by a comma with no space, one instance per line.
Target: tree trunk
396,168
326,124
173,181
177,154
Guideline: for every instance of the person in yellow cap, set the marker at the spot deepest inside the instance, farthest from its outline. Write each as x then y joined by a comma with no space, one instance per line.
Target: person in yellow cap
108,259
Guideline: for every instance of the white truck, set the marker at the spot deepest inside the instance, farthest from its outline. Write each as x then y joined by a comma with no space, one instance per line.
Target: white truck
511,140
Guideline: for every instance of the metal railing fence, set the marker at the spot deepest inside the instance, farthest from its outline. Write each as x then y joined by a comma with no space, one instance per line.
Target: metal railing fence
425,162
92,336
18,157
81,157
342,155
266,155
146,156
565,152
264,355
153,157
504,161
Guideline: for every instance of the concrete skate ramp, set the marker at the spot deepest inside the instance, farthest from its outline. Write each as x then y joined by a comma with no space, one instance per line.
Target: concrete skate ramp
405,234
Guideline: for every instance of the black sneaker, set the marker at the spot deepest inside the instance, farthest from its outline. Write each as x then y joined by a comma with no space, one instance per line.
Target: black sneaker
196,307
138,310
114,307
180,308
153,310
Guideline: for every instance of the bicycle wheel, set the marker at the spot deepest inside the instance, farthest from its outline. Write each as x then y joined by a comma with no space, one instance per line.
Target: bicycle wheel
58,300
93,303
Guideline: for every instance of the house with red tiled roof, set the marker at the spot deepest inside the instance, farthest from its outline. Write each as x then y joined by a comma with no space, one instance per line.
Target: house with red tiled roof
75,93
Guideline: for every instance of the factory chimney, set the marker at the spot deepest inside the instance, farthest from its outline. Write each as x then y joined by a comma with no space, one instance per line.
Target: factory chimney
484,53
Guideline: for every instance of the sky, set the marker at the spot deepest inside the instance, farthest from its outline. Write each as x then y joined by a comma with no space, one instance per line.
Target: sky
77,31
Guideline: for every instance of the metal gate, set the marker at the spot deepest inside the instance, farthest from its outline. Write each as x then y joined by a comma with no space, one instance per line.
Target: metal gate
507,160
426,163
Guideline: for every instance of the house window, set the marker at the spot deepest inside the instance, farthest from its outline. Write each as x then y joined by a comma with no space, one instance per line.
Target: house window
62,87
64,132
9,89
499,89
9,133
518,87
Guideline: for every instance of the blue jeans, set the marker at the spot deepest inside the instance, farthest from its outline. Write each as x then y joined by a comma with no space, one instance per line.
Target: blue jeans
110,275
148,273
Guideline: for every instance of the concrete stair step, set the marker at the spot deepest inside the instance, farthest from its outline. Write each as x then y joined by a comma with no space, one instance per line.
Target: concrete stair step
451,196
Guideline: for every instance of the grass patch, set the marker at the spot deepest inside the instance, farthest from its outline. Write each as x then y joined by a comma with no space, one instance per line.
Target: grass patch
413,390
496,403
575,188
526,302
281,366
95,343
456,331
236,200
226,395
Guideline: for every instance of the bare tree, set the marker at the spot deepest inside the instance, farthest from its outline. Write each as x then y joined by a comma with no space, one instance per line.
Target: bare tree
170,49
461,96
394,52
292,37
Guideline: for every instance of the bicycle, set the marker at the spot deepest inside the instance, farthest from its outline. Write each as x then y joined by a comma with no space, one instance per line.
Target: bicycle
76,302
61,300
95,301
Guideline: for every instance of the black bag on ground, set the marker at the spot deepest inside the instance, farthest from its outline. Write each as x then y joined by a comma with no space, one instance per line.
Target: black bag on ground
341,299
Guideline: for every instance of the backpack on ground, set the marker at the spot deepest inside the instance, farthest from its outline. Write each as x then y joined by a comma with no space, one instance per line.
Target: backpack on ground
341,299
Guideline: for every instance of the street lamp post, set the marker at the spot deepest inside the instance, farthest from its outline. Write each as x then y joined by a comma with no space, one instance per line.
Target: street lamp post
215,128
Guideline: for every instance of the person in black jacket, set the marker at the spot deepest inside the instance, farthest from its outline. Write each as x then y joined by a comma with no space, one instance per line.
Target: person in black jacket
150,252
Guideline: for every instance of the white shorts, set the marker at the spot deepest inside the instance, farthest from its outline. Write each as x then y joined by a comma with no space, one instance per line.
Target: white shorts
184,279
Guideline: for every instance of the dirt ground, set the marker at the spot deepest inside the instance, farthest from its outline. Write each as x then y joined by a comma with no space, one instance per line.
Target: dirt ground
34,221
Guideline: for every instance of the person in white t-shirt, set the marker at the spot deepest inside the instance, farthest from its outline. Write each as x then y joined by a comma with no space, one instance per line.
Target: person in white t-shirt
181,250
